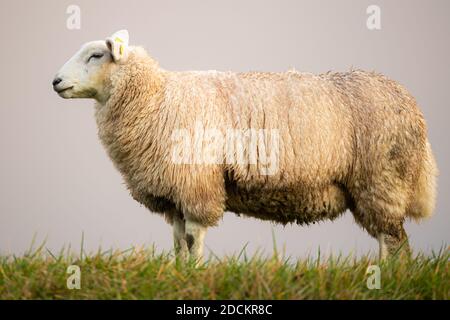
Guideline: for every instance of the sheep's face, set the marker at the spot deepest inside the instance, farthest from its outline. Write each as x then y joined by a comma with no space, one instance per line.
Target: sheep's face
87,73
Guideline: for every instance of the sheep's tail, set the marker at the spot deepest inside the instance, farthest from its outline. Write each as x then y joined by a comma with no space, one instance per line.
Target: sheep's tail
424,197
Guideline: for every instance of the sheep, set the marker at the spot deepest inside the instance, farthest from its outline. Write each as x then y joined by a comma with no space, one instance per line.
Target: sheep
340,140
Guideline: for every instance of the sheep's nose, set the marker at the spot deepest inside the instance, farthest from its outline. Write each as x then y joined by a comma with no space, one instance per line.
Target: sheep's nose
56,81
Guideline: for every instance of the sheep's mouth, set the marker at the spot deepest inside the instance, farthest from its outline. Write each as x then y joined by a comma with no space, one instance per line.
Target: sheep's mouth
59,91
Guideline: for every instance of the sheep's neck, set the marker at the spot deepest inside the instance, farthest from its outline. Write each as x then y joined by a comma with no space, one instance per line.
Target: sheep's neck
125,122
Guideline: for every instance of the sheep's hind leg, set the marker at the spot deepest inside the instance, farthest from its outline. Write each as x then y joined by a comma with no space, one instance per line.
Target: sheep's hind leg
179,237
380,208
393,243
195,235
390,233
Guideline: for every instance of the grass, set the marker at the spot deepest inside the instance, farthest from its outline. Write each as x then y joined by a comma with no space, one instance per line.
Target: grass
144,274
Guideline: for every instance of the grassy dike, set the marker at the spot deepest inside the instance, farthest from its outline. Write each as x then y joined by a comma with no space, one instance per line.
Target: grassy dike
144,274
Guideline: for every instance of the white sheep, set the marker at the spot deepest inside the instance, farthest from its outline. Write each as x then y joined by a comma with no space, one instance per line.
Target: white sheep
286,147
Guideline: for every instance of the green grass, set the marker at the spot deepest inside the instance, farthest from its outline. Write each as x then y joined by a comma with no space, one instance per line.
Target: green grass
144,274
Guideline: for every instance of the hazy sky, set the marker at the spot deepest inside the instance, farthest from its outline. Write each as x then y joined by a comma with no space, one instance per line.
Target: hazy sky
56,181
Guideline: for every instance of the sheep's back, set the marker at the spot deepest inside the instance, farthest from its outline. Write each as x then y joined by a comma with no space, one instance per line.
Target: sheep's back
306,112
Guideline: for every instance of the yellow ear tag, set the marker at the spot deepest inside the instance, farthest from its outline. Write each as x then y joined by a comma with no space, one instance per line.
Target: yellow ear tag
121,46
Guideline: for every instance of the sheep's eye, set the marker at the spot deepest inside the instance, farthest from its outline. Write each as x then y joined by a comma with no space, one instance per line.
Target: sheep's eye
95,56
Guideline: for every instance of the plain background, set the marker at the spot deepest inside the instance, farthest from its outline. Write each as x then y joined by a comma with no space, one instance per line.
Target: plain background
56,181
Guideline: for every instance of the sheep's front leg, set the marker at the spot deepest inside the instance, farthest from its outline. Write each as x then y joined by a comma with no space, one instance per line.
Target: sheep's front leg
179,238
195,235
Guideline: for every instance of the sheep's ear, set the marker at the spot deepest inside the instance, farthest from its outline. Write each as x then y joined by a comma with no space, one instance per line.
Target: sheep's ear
118,45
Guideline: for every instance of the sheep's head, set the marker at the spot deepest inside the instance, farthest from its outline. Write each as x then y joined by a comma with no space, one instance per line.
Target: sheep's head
87,73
